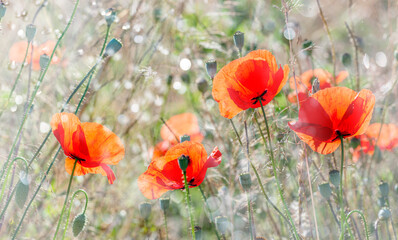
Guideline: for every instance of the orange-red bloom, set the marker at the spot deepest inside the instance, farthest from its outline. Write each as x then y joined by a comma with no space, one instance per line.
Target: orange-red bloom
243,82
304,82
18,50
164,173
331,113
177,126
92,145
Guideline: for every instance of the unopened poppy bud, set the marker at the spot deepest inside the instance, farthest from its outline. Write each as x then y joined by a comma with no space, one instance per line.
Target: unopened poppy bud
110,16
44,61
384,214
186,78
307,47
221,224
239,40
211,68
198,233
169,80
346,59
2,10
78,224
185,138
164,203
145,210
183,162
112,48
157,13
334,177
325,190
21,193
245,180
202,85
315,86
30,32
384,190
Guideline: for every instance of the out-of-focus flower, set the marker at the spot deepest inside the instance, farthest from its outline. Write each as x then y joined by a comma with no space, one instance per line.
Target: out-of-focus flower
164,173
331,113
92,145
242,83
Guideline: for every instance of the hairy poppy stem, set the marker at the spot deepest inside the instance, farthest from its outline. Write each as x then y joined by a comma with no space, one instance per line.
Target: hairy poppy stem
208,210
363,220
66,200
236,132
296,235
342,212
250,215
188,200
70,208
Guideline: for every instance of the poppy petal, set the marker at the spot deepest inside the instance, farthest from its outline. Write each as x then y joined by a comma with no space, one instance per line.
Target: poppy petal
109,173
317,145
63,126
80,149
178,125
151,184
341,76
214,158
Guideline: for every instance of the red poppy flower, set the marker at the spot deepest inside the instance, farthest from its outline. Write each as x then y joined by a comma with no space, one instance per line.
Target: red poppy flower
164,174
240,84
333,112
91,144
304,82
177,126
18,50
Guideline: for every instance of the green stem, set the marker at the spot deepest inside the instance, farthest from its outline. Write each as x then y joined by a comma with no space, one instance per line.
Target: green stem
363,220
108,27
250,215
296,235
236,132
342,212
208,210
66,200
70,208
188,200
165,225
8,173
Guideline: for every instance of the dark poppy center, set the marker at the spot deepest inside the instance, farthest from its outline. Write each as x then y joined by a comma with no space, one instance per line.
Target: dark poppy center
80,160
338,133
261,96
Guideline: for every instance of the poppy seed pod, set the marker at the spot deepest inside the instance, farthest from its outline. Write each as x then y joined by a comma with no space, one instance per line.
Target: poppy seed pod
221,224
239,40
198,233
2,10
384,214
334,177
110,16
381,201
316,86
183,162
112,48
185,138
145,210
384,189
346,59
245,180
78,224
30,32
164,203
157,13
44,60
307,47
211,68
325,190
202,85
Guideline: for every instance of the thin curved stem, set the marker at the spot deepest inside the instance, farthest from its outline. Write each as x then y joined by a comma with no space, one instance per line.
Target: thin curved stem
296,235
188,200
70,208
363,219
66,199
8,173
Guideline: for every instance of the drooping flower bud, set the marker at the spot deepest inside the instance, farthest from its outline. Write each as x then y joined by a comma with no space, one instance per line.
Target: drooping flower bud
21,193
112,48
157,13
145,210
183,162
245,181
78,224
202,85
384,189
3,9
185,138
346,59
30,32
110,16
239,40
334,177
211,68
221,224
384,214
164,203
325,190
44,61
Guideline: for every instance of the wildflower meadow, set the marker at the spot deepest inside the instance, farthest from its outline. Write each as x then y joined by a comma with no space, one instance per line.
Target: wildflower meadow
213,119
